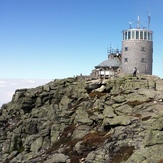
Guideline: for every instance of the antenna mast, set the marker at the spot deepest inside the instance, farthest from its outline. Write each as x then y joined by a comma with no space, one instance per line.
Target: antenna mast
138,23
149,18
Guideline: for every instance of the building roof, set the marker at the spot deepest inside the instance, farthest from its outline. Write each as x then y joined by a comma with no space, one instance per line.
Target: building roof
110,62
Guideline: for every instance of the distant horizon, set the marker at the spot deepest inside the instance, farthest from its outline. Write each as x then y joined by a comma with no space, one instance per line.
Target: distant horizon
9,86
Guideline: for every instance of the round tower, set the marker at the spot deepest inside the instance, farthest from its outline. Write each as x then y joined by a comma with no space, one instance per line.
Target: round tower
137,50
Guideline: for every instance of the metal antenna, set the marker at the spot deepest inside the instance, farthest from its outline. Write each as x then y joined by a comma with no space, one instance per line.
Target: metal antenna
138,23
130,23
110,47
149,18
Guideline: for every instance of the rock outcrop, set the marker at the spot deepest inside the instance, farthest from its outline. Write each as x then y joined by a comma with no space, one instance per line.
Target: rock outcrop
72,120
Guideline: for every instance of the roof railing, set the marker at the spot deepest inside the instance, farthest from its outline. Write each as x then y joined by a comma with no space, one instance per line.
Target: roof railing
114,51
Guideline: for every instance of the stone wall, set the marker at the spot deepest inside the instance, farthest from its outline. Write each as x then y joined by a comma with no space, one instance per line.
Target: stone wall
135,53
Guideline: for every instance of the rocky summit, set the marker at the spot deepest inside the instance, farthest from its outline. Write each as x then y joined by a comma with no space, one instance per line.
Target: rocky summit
74,120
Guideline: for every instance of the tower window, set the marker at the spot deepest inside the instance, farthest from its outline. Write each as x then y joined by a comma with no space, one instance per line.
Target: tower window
125,35
126,48
137,34
141,34
149,36
142,60
125,59
129,35
143,49
145,35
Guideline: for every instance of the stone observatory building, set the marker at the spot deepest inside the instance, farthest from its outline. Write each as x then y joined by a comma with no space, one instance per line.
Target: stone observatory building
137,51
109,67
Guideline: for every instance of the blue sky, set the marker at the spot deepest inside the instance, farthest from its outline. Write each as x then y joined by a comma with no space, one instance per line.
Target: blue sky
48,39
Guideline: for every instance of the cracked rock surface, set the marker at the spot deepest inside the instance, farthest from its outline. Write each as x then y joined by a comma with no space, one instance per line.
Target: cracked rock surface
73,120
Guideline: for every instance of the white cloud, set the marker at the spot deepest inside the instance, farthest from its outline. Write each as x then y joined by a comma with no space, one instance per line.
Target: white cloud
3,85
8,87
2,81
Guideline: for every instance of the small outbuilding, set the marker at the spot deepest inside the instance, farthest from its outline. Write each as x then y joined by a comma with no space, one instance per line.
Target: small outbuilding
109,67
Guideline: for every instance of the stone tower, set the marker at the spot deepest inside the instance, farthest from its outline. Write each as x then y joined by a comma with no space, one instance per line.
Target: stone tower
137,50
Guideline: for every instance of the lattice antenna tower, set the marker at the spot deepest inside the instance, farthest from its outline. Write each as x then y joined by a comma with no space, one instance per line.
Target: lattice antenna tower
149,18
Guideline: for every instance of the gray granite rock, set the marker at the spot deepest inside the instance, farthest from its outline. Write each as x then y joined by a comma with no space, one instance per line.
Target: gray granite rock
68,120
